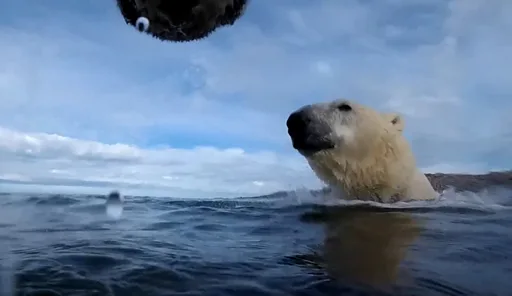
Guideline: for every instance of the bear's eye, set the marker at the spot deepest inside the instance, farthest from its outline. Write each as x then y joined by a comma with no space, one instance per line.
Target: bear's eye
344,107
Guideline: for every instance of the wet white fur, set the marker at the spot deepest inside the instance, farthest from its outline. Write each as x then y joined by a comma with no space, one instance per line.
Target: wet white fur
372,160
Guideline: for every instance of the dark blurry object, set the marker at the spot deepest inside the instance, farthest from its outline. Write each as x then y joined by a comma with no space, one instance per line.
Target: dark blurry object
181,20
114,197
114,205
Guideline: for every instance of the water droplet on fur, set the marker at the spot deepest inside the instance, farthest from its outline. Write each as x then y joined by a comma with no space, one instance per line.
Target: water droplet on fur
142,24
114,205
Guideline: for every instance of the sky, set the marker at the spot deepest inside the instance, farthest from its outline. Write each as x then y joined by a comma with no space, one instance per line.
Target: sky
88,104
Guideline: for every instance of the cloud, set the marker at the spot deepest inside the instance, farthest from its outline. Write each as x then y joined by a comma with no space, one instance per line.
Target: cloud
197,172
75,80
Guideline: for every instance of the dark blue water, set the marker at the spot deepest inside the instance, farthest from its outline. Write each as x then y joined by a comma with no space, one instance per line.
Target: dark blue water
278,245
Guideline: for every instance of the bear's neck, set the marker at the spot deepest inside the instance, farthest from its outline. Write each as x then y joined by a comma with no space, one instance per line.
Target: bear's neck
380,177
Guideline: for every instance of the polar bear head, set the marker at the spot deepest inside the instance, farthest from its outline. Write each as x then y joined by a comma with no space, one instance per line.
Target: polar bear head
354,147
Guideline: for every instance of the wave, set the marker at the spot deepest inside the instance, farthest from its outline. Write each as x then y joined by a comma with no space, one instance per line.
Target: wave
99,208
58,236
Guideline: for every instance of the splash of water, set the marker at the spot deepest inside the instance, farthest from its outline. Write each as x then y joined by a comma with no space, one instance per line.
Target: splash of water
114,205
486,200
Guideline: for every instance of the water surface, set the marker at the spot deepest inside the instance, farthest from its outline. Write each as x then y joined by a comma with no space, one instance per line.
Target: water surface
288,244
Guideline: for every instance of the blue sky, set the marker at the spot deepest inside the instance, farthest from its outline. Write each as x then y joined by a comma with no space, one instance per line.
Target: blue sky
88,102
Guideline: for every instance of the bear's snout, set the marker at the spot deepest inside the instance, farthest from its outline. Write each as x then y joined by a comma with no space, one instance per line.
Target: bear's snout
297,122
306,133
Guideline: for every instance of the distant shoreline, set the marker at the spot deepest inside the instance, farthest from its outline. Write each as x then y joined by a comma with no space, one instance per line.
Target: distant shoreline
442,181
470,182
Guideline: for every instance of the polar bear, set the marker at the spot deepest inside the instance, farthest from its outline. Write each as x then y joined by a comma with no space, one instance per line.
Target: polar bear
358,152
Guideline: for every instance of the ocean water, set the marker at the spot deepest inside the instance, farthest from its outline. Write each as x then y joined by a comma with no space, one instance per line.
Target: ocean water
285,244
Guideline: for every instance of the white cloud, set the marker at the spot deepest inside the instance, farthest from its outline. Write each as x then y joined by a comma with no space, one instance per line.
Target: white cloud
444,64
199,172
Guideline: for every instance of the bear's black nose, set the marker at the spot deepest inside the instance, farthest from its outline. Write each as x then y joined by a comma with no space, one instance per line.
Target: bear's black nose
297,122
307,132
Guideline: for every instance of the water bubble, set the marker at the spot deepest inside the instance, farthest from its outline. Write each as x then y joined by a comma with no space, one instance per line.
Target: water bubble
114,205
142,24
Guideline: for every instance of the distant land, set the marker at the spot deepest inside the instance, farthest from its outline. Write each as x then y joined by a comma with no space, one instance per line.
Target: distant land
441,181
471,182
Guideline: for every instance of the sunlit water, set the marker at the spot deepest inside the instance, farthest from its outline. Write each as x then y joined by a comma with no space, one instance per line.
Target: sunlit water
290,244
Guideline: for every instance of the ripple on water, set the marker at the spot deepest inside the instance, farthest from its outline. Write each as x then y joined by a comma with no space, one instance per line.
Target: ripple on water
64,245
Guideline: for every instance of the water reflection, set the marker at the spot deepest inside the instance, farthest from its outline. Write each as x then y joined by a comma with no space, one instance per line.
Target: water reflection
364,245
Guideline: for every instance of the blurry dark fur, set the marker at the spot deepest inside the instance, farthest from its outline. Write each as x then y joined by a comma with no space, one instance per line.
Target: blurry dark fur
184,20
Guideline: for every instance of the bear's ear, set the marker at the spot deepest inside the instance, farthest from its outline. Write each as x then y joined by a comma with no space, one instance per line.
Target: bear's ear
396,120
